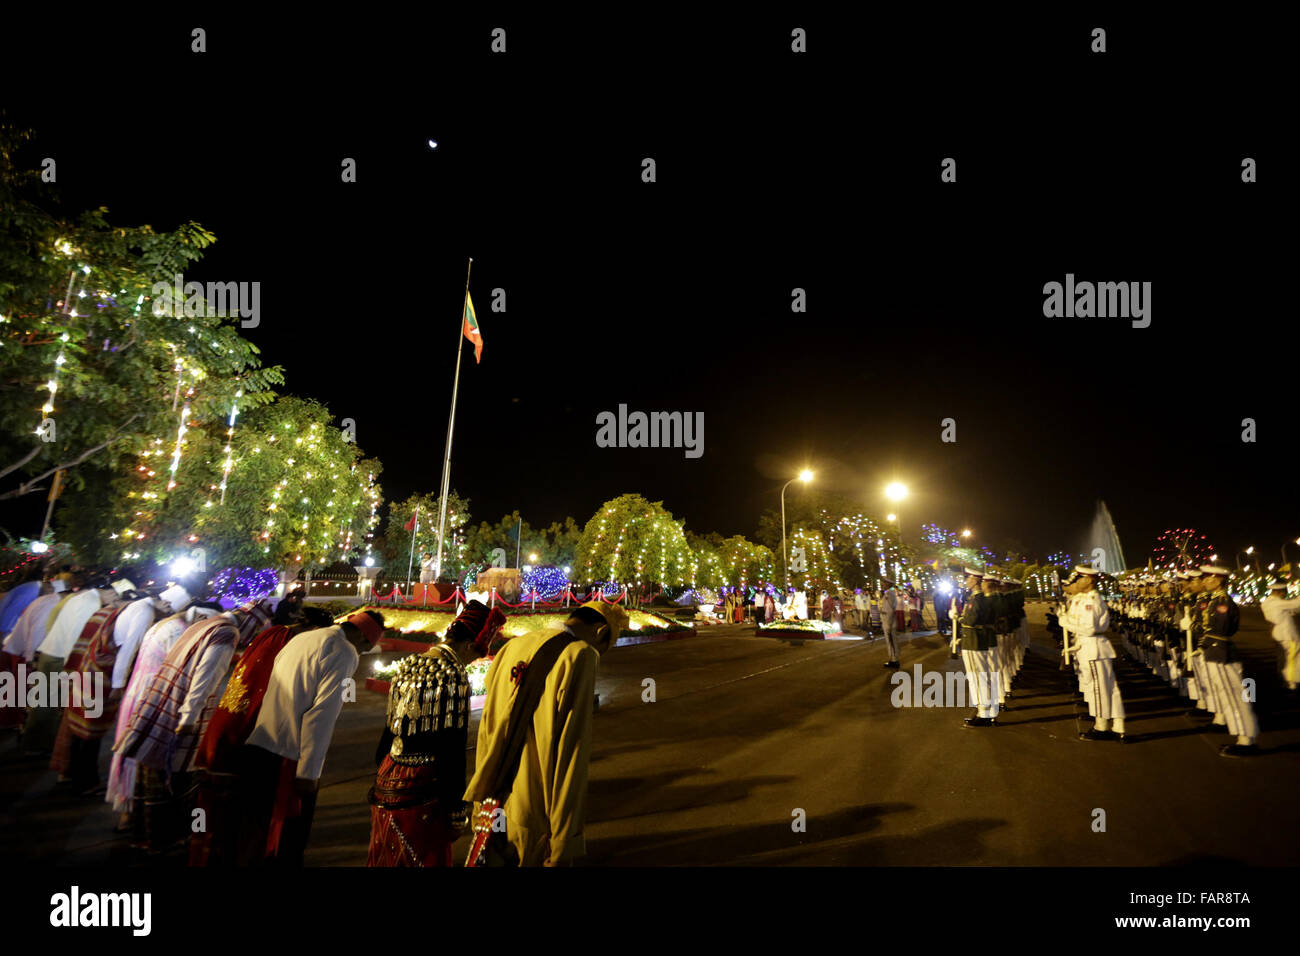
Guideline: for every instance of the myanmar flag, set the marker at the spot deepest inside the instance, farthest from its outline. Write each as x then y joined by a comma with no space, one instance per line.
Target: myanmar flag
472,331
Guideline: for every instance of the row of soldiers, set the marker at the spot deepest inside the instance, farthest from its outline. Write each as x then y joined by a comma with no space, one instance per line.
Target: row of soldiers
991,633
1182,629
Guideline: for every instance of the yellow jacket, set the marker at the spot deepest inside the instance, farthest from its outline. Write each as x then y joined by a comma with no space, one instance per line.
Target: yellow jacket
546,807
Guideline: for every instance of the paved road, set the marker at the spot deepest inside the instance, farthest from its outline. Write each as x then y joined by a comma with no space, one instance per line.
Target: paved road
746,731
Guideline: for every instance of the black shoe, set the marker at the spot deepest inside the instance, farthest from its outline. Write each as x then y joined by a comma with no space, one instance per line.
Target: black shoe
1197,714
978,722
1238,750
1095,734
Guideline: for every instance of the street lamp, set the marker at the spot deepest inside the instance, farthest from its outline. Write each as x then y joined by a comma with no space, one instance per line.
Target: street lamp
896,491
805,476
966,533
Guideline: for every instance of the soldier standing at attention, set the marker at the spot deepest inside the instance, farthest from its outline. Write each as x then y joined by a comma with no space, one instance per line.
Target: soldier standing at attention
1089,620
979,648
1219,622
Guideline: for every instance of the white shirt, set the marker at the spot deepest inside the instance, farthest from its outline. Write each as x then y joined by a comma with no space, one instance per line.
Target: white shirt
210,675
66,628
1088,615
304,697
1087,620
30,629
130,626
859,602
1280,612
889,601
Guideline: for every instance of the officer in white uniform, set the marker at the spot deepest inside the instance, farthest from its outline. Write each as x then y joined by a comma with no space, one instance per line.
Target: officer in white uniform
1089,620
1280,611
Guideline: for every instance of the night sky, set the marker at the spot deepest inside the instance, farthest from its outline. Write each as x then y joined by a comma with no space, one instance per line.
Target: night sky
775,171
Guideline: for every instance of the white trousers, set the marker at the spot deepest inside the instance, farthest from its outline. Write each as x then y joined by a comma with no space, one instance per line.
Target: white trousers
1229,693
983,680
1204,692
890,627
1105,703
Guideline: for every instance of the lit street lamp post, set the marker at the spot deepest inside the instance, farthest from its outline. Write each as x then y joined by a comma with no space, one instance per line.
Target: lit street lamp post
805,476
896,491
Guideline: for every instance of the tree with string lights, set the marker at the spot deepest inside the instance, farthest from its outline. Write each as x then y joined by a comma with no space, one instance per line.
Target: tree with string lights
297,493
92,370
631,541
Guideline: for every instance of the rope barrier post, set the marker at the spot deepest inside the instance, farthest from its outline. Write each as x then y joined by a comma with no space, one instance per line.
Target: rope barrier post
494,595
534,599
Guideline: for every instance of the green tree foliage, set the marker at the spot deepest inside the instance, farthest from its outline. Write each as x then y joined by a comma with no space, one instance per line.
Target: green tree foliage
297,494
457,556
76,311
634,542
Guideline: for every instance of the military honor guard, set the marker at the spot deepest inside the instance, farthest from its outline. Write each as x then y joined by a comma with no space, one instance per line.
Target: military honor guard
1220,618
977,638
1280,611
1088,622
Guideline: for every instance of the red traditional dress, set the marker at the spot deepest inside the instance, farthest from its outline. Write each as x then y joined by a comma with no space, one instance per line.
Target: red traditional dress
218,751
417,791
91,664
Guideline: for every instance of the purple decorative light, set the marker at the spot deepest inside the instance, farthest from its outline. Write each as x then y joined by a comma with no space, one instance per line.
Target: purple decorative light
245,584
547,580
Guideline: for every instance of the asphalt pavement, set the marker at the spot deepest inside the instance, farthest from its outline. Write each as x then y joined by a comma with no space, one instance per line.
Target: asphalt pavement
753,750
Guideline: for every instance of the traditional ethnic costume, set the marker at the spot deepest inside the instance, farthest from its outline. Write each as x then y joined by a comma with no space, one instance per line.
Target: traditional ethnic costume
218,756
416,810
169,723
105,665
20,647
291,737
91,666
154,647
545,808
66,624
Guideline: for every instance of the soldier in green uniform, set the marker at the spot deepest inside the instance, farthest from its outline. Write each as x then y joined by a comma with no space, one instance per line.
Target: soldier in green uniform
979,648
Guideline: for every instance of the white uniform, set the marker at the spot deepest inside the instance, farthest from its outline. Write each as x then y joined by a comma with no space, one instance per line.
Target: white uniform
889,621
1281,613
1088,620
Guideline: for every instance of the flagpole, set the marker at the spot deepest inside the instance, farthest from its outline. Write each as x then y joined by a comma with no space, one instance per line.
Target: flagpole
451,424
414,531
